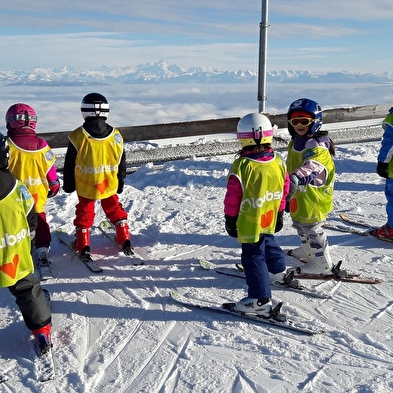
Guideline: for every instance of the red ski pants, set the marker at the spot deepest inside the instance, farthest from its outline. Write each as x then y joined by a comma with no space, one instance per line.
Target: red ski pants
85,213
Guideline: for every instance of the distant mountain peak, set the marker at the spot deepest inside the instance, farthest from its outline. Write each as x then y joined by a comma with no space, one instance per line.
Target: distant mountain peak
160,72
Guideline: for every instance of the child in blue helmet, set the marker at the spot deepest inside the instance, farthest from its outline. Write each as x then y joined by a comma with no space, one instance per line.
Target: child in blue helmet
385,170
311,168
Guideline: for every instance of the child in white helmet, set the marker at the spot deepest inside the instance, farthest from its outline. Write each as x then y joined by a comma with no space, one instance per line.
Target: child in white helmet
254,204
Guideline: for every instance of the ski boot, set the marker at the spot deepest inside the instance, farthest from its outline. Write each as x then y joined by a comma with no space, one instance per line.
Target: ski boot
123,238
260,307
82,242
42,337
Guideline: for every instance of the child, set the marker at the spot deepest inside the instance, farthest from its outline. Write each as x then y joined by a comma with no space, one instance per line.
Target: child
311,168
254,205
385,170
18,220
95,166
33,162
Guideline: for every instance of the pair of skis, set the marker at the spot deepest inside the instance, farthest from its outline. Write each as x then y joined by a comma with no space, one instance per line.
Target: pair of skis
237,271
277,319
108,231
355,278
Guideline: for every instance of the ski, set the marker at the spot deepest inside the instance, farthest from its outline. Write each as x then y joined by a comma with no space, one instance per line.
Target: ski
277,320
345,277
345,217
294,285
339,275
3,377
351,220
108,230
345,228
44,362
353,230
86,258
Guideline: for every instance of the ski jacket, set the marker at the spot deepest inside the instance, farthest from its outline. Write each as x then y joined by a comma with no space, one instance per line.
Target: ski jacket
17,221
386,151
310,160
95,161
257,185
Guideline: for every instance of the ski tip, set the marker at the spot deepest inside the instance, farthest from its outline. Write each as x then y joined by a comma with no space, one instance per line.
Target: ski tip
239,266
206,264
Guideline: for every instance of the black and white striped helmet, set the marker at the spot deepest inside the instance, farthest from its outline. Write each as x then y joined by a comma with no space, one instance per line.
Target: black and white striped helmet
94,105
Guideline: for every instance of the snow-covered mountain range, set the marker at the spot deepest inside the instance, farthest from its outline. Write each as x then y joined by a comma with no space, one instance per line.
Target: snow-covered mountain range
161,72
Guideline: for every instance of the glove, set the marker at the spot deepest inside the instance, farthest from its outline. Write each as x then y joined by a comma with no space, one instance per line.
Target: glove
382,169
54,187
230,226
120,186
292,190
280,221
293,186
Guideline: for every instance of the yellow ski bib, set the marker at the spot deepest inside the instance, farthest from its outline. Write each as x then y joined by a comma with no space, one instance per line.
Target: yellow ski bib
32,166
15,246
97,163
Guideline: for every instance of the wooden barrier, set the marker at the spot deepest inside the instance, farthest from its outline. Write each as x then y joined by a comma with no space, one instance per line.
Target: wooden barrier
220,126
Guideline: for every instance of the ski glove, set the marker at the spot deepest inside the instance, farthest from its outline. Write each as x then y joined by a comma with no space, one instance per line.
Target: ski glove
54,187
120,186
294,183
279,222
382,169
230,225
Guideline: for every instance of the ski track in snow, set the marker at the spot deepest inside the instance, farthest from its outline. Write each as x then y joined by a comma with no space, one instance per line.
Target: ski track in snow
118,331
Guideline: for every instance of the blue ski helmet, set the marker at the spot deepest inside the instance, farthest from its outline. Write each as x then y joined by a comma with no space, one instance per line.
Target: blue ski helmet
308,106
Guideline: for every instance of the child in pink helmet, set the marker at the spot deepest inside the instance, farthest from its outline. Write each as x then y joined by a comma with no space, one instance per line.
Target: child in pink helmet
33,162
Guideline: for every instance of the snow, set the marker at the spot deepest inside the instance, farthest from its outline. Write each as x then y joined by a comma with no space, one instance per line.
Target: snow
118,331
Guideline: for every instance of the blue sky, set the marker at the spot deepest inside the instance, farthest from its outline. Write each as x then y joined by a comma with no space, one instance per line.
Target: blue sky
315,35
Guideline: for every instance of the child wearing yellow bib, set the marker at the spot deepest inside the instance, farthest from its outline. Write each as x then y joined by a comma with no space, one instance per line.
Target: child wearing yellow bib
95,167
311,168
18,222
254,204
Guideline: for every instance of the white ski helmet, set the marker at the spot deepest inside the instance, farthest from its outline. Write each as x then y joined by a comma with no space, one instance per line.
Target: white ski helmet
254,129
94,105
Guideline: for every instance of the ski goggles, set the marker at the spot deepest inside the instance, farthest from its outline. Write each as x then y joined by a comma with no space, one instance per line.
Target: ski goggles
22,116
303,121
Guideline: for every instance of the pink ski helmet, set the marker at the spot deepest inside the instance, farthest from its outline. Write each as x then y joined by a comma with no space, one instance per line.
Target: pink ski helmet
20,115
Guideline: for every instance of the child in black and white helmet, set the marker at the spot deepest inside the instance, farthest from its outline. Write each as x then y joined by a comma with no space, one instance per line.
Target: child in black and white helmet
95,167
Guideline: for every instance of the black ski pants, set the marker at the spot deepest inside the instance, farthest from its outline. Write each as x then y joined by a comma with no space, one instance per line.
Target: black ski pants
31,301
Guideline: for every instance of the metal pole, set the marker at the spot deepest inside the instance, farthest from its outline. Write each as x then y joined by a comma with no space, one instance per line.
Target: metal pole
262,57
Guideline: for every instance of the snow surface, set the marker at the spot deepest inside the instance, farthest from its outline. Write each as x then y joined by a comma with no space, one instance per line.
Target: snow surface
118,331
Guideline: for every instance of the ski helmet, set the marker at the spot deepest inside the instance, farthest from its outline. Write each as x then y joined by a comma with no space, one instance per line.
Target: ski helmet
254,129
4,152
20,115
94,105
307,107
